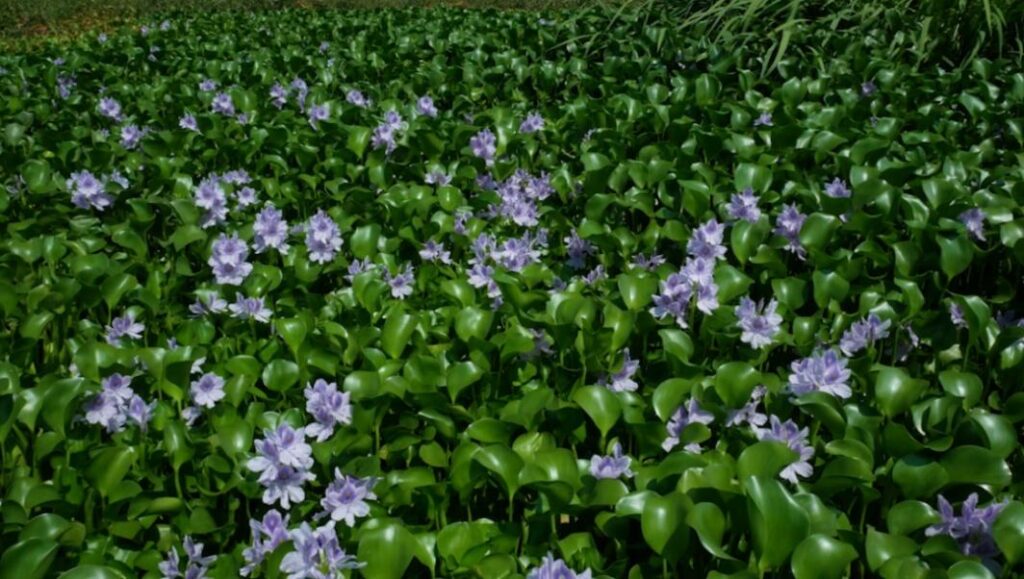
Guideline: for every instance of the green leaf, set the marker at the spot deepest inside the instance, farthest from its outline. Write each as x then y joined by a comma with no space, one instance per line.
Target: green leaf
462,375
777,522
896,391
663,523
822,557
881,547
29,559
601,405
955,255
765,459
709,522
637,290
386,550
976,465
109,467
472,322
735,381
1008,532
677,344
503,462
396,333
280,375
964,385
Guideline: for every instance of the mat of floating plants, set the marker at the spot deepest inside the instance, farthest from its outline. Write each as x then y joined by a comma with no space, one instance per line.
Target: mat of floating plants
470,294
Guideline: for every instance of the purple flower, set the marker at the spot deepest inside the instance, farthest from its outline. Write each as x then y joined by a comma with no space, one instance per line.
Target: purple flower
222,104
301,91
622,380
759,322
515,253
357,267
318,114
208,85
171,567
64,85
863,334
650,263
764,120
210,196
595,276
837,189
122,327
541,345
328,407
106,410
437,178
207,390
748,413
743,206
552,568
689,413
484,146
674,299
323,238
278,95
267,535
401,283
270,230
956,315
355,97
788,225
972,529
250,309
974,221
425,106
165,25
435,252
228,260
324,46
245,196
118,387
706,241
825,372
110,108
578,249
868,88
532,124
345,498
139,412
612,466
131,135
88,191
796,439
209,304
283,462
237,177
188,122
487,182
317,554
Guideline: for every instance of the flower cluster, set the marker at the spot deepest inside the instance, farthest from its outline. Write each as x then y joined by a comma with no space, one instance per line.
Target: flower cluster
283,463
116,404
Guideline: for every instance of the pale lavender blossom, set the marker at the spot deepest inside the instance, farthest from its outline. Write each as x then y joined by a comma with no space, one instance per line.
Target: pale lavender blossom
868,88
105,409
270,230
401,284
208,85
484,146
317,554
278,95
328,407
532,124
318,114
622,379
706,241
245,197
210,196
211,303
650,263
578,249
190,414
345,498
673,299
595,276
863,334
552,568
118,387
437,178
743,206
357,267
301,91
110,108
763,120
797,440
65,83
425,106
207,390
956,315
223,104
88,191
487,182
974,221
323,238
435,252
759,322
972,529
613,466
822,372
228,260
188,122
749,413
788,225
170,568
124,326
837,189
267,535
357,98
283,461
324,46
385,136
685,415
250,309
165,25
459,225
516,253
131,136
541,345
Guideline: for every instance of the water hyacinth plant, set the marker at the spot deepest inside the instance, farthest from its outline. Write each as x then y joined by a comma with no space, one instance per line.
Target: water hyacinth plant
630,292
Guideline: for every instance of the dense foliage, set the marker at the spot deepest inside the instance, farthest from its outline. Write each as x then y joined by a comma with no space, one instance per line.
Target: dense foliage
467,294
